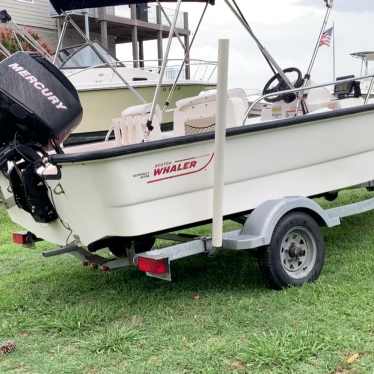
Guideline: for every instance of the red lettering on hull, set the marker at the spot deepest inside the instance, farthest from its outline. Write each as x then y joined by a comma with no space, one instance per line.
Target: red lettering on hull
179,167
174,168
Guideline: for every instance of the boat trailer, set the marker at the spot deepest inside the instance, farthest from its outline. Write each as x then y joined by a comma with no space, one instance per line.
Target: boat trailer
258,231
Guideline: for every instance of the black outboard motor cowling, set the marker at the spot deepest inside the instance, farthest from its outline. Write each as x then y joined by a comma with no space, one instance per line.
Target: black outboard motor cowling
37,102
39,108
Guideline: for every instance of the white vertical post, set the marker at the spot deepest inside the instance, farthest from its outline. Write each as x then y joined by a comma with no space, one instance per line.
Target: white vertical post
333,51
220,137
87,24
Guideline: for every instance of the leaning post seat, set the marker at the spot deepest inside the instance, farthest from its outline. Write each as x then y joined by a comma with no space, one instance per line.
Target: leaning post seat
132,125
197,114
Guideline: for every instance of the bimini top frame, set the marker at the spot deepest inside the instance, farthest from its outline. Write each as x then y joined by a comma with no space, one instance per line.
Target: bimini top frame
62,6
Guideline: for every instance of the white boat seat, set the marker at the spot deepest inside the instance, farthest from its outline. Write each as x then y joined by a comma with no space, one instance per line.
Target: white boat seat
197,114
131,127
142,109
201,99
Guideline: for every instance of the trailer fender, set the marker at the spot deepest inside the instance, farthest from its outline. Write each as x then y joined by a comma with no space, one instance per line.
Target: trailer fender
259,226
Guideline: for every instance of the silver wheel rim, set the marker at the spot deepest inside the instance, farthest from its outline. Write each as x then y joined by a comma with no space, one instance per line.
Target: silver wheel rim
298,252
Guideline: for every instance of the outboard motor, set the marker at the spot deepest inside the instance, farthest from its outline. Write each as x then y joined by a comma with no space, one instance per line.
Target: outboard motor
37,101
39,108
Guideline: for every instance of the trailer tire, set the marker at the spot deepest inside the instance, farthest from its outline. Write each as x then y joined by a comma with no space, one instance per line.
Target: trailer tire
141,245
295,254
331,196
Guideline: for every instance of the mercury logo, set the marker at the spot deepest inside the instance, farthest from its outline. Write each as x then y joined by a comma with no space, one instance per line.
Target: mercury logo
46,92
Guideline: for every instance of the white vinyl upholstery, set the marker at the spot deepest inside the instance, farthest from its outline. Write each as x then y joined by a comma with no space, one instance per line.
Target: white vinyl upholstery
198,114
131,127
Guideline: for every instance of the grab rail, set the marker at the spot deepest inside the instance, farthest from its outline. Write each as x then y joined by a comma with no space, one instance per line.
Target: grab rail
311,88
193,63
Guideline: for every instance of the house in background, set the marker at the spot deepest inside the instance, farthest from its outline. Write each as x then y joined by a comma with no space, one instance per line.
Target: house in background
110,25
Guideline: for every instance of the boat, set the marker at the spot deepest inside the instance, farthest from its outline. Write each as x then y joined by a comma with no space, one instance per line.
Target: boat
143,184
366,57
96,83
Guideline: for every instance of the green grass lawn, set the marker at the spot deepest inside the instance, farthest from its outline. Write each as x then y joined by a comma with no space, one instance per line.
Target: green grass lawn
218,316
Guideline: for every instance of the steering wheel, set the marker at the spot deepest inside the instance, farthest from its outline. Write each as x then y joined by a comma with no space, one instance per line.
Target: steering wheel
282,86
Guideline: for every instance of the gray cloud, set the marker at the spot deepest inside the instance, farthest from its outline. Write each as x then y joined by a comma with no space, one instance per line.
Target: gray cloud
342,5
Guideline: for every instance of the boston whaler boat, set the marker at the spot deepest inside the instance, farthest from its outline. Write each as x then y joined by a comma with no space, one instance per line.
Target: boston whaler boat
122,194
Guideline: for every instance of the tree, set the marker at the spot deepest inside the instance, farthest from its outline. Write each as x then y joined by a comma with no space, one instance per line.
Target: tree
9,41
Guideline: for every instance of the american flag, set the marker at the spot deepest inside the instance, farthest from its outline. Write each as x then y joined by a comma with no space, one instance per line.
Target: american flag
326,37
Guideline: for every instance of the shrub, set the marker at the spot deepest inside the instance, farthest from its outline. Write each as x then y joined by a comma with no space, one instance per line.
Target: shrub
8,40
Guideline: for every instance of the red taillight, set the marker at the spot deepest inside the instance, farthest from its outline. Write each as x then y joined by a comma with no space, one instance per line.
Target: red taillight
95,266
20,237
85,263
153,266
105,268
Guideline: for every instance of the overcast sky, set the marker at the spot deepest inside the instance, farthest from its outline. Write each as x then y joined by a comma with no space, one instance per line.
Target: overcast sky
287,28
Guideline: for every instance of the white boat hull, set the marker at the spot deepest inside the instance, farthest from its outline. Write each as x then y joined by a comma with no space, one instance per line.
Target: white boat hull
132,194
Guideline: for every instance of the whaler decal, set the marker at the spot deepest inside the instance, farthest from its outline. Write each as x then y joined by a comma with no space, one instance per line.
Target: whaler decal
172,169
46,92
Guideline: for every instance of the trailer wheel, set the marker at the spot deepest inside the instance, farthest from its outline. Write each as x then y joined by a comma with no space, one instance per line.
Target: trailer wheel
295,254
331,196
141,245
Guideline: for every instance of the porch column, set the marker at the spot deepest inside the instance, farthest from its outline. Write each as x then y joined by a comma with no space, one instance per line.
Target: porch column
134,37
160,52
187,44
141,53
104,33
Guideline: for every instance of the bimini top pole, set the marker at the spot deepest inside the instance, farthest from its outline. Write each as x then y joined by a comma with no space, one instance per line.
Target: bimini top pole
329,4
167,103
264,51
4,51
162,72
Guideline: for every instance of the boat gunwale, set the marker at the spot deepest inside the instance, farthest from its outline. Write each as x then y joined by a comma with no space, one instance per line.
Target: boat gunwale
97,155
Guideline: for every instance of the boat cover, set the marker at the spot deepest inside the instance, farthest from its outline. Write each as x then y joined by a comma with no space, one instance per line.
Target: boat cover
64,5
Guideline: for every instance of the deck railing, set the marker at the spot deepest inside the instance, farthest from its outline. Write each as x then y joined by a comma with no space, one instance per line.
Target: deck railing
146,13
200,70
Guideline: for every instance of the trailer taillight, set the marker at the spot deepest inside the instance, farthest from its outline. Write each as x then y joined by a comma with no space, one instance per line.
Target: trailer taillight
153,266
20,237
